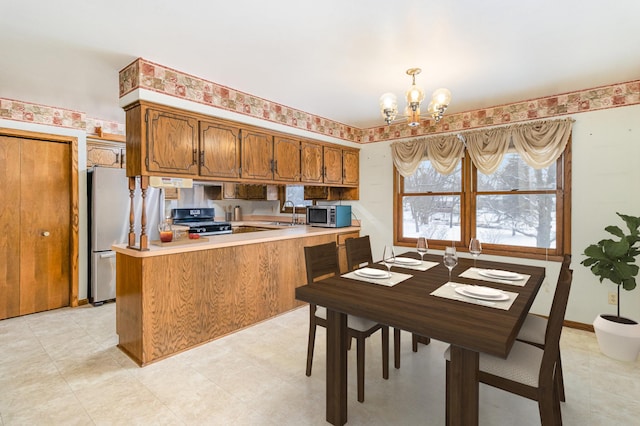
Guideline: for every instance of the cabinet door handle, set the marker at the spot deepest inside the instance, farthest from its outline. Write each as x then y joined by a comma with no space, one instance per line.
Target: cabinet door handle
276,166
124,160
45,234
118,158
202,158
195,156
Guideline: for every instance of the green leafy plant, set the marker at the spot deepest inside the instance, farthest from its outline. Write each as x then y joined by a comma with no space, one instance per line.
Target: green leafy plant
616,260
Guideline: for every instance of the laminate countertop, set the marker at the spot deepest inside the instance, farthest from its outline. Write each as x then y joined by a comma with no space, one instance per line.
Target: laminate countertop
275,233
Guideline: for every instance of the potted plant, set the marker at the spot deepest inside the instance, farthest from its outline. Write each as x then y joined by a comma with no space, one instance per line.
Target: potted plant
615,260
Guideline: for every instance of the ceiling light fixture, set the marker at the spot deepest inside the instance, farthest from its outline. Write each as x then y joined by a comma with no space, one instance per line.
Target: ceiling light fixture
415,95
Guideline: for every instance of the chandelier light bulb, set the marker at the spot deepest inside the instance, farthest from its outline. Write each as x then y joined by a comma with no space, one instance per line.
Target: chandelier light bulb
388,101
415,95
442,97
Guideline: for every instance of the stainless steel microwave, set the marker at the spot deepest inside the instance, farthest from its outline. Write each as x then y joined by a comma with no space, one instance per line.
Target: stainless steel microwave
329,216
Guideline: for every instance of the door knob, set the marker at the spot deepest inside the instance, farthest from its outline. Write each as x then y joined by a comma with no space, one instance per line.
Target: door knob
45,234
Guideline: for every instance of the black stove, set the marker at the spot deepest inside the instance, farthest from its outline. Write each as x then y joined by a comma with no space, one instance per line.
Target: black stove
200,221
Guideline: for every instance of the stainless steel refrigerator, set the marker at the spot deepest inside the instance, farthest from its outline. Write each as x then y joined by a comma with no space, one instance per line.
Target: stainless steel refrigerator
108,207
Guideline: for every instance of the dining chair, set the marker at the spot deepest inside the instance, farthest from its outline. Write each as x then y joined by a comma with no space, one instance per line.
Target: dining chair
528,370
533,332
358,255
322,262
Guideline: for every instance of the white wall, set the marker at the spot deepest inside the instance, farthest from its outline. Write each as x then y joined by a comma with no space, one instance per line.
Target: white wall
605,180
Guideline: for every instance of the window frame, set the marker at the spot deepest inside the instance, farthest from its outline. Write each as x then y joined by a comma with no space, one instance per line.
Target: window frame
468,219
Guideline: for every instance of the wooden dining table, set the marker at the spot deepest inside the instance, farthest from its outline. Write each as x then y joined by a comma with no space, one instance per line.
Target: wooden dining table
470,328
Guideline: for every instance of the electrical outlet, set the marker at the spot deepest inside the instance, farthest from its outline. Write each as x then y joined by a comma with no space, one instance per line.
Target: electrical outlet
613,298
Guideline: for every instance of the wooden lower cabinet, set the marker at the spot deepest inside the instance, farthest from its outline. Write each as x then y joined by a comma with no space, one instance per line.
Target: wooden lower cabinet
170,303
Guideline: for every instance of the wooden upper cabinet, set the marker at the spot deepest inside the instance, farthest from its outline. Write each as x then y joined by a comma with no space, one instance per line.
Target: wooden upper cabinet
257,155
219,150
311,170
165,141
172,142
332,165
351,167
105,154
286,159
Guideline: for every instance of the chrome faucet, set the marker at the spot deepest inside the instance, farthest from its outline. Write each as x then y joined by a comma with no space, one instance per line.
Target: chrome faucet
293,208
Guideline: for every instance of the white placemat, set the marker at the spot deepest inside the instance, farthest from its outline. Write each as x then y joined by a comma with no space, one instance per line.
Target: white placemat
396,277
423,266
473,274
448,291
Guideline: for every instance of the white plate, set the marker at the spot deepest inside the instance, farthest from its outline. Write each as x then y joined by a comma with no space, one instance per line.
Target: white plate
372,273
460,290
477,290
407,261
503,275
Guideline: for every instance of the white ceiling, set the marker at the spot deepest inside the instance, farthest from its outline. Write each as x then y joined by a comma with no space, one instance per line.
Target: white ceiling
332,58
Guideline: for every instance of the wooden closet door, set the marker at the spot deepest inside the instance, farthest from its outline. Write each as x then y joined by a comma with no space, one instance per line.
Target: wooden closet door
9,227
45,184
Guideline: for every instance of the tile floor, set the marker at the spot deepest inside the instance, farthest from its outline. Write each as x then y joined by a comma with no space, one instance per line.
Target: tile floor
63,367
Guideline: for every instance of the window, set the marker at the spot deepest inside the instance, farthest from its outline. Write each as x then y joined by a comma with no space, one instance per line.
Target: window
516,211
295,194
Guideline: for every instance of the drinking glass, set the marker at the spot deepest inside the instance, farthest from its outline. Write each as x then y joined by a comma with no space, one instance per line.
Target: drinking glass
422,246
388,258
450,259
475,248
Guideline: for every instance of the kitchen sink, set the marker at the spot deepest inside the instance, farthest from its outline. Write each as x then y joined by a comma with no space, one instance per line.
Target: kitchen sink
241,229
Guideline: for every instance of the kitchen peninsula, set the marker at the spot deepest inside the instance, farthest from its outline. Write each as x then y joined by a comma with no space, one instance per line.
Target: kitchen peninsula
173,298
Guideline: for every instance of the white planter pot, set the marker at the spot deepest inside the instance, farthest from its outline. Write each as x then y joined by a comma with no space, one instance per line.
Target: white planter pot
616,340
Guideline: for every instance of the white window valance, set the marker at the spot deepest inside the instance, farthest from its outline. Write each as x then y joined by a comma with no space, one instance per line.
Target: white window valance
539,144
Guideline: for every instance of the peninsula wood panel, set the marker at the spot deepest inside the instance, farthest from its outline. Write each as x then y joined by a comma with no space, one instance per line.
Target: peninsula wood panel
129,306
167,304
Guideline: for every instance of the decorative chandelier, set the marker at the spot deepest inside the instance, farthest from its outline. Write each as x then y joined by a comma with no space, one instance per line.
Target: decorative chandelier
415,95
